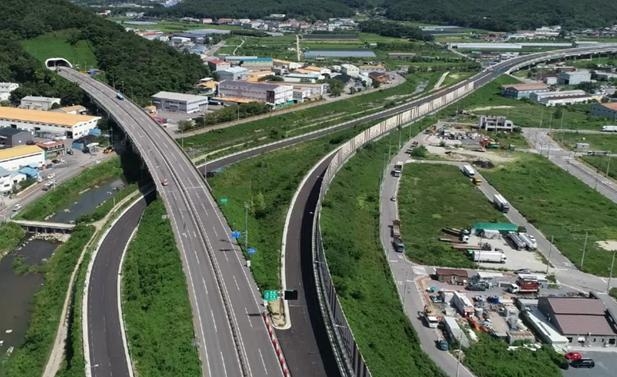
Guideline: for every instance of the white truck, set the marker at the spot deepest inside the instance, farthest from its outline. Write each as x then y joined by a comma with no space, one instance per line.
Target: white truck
529,240
489,256
501,203
468,170
398,168
609,128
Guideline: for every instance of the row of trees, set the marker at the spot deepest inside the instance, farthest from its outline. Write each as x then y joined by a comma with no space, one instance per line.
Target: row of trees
138,67
394,29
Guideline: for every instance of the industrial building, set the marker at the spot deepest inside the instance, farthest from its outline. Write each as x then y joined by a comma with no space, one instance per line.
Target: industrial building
519,91
179,102
271,94
52,148
451,275
75,110
13,159
574,77
350,70
216,64
495,123
6,88
8,180
12,137
251,62
39,103
605,110
583,321
563,97
232,74
37,122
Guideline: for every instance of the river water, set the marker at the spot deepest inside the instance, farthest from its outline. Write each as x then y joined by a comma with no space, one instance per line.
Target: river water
17,291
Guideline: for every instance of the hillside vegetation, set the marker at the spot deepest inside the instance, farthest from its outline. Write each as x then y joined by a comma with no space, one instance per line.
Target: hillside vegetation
138,67
492,15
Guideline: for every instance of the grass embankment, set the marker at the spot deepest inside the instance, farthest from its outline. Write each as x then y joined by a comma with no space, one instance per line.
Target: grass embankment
597,142
66,192
59,43
12,234
156,307
430,197
490,357
489,101
298,122
29,359
561,206
350,223
269,182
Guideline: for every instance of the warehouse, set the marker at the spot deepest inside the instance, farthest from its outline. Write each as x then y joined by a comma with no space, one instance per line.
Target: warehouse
179,102
271,94
519,91
39,103
584,321
232,74
574,77
451,275
563,97
12,159
605,110
8,180
39,122
12,137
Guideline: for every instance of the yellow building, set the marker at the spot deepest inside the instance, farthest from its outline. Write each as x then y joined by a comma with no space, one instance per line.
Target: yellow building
59,123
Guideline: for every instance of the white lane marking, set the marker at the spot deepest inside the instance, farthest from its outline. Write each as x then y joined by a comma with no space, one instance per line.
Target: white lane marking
224,368
203,281
198,262
236,283
213,321
247,315
261,356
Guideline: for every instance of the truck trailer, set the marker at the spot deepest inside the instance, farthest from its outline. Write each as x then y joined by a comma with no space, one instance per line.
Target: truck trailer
501,203
524,287
396,228
398,168
609,128
489,256
517,242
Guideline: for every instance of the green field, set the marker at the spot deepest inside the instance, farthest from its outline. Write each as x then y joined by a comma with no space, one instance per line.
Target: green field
488,100
57,44
350,223
12,234
29,359
430,197
560,206
597,142
269,182
603,164
156,307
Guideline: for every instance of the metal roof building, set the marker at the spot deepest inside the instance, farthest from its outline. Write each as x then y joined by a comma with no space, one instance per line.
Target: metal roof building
15,158
36,121
501,227
179,102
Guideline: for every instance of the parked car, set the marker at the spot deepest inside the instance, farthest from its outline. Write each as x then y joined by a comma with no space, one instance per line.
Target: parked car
442,344
17,207
164,182
572,356
583,363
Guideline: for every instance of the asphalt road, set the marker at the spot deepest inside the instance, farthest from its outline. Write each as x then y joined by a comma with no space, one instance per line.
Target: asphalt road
104,332
231,334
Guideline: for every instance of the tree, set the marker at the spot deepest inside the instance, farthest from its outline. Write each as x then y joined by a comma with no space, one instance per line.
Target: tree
336,87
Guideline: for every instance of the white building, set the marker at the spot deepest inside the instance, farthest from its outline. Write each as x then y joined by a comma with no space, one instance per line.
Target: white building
38,103
350,70
179,102
271,94
495,123
233,73
8,180
12,159
563,97
6,88
37,121
574,77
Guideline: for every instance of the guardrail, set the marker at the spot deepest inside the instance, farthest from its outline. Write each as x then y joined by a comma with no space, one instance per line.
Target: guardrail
349,356
350,360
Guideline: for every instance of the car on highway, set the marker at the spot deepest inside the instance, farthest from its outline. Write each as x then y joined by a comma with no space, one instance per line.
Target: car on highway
442,344
399,245
572,356
164,182
583,363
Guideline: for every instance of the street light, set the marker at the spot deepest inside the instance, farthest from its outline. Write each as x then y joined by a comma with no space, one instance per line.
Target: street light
610,275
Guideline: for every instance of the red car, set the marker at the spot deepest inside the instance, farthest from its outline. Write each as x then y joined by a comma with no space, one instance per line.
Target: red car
572,356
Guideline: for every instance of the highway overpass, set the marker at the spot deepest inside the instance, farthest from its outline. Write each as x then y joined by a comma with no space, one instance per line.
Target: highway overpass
230,332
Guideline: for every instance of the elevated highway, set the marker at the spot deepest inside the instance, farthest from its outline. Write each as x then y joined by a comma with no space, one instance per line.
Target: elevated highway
230,331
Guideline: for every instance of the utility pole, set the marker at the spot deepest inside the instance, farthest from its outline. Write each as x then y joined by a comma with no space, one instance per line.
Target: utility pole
550,251
246,226
608,164
584,249
610,275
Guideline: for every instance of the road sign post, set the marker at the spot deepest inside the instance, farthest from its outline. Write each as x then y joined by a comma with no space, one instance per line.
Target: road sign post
270,295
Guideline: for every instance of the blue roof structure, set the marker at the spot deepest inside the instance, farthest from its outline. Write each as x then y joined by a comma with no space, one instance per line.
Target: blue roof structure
30,172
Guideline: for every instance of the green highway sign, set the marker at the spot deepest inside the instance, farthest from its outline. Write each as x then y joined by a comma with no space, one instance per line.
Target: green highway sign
223,200
270,295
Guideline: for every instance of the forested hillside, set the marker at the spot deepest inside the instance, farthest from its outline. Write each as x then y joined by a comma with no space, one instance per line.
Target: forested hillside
140,66
491,15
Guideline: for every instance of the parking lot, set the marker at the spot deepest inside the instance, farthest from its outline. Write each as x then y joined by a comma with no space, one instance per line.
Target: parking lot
606,365
516,258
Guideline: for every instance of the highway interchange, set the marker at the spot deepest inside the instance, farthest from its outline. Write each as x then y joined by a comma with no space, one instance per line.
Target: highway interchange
203,238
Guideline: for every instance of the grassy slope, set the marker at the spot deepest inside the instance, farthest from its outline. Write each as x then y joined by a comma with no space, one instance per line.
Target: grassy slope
560,206
11,235
29,359
349,221
431,197
156,306
276,176
597,142
56,44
